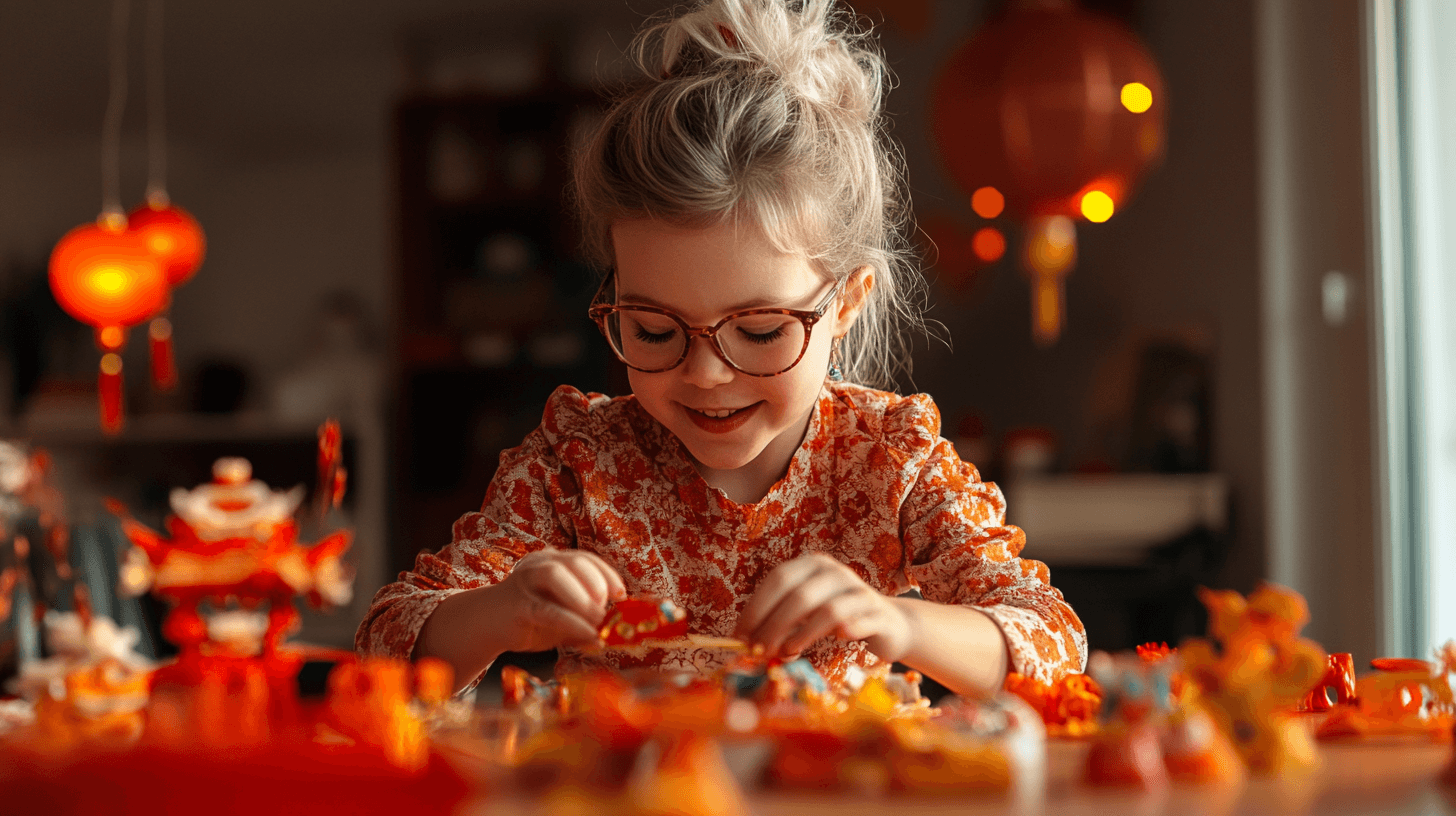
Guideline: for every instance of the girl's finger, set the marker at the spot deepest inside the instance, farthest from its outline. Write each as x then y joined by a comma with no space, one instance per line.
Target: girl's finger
592,580
556,581
790,613
616,590
831,617
568,627
779,583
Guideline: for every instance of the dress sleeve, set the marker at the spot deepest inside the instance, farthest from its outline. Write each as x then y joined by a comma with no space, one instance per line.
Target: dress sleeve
524,510
959,550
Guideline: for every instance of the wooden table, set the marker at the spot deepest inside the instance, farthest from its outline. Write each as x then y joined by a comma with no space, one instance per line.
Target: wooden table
1389,778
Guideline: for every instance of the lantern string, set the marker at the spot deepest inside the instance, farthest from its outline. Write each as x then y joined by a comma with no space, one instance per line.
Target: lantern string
156,109
111,211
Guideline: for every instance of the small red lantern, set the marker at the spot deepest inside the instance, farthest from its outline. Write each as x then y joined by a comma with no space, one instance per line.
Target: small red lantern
103,276
176,240
1059,110
173,237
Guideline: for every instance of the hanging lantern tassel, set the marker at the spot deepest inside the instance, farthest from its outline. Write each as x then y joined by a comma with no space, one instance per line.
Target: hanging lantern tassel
109,387
1050,252
164,363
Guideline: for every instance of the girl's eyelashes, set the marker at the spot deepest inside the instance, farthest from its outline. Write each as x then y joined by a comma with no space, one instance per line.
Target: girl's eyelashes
762,338
655,338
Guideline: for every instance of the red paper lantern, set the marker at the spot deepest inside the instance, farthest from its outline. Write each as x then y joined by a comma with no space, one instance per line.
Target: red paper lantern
1047,103
105,277
173,236
1058,112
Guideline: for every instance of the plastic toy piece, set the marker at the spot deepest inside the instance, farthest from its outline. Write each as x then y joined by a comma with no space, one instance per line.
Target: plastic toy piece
1253,670
1404,697
634,620
372,702
1339,679
233,539
332,476
1126,750
1068,708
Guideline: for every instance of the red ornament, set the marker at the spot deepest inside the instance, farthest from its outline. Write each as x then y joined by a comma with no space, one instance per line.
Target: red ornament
104,277
173,236
1046,103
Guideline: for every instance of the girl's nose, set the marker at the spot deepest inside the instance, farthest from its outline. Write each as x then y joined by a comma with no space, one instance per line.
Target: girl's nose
703,367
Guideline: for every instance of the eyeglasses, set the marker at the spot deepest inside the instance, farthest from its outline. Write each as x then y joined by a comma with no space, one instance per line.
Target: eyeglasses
756,342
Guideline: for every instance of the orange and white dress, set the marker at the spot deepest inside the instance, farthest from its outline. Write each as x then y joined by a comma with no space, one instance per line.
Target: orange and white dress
872,484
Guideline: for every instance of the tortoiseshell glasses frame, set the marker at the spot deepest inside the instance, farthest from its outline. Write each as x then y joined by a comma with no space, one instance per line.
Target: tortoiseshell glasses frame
600,313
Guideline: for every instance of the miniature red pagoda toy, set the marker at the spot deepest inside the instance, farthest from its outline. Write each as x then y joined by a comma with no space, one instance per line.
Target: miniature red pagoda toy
234,539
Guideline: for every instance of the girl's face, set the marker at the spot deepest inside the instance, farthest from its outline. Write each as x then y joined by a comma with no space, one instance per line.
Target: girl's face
703,275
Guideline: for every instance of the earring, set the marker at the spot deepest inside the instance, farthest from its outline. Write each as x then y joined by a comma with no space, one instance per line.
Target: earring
836,372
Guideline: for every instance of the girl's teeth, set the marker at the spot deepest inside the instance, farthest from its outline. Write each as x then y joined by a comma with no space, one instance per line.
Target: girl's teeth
718,414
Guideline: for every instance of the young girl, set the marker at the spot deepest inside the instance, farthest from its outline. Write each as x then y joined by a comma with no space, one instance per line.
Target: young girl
750,211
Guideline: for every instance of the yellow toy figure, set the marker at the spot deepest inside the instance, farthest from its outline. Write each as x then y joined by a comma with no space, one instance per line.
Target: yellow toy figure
1254,670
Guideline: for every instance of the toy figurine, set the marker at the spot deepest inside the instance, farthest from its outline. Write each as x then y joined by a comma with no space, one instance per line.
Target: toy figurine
1136,700
1403,697
1068,707
1251,672
1339,678
233,540
380,703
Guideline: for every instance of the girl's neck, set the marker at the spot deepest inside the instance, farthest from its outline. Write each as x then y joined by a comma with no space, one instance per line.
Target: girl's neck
750,483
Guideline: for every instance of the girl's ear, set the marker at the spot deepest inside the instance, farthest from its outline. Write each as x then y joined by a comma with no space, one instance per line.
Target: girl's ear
853,299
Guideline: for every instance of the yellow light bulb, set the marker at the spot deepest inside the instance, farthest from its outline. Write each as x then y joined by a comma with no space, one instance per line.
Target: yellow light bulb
1097,206
1137,97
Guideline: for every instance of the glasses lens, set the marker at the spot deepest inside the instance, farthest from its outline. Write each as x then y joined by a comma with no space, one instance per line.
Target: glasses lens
762,343
644,339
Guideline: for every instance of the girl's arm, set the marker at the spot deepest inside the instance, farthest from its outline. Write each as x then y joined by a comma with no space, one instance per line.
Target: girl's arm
960,647
960,551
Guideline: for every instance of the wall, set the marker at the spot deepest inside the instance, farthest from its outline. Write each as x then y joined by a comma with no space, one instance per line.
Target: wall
1181,260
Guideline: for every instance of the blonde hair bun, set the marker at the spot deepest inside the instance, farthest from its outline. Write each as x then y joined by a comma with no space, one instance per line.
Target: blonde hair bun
804,46
768,110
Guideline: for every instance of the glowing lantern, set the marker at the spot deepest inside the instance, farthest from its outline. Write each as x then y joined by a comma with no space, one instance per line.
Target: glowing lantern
103,276
173,237
176,240
1059,110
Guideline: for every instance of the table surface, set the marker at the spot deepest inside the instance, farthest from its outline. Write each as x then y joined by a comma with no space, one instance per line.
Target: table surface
1389,778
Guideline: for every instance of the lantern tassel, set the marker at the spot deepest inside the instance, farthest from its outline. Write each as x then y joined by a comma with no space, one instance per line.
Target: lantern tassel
109,390
164,361
1048,297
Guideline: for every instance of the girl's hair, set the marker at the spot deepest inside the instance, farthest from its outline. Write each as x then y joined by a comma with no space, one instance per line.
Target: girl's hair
768,110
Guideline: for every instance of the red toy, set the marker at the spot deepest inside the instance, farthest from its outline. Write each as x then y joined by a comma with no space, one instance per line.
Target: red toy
233,539
634,620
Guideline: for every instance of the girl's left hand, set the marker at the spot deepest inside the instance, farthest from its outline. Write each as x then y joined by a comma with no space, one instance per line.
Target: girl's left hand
814,596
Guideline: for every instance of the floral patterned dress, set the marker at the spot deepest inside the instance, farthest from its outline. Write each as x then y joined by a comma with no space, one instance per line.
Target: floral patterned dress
872,484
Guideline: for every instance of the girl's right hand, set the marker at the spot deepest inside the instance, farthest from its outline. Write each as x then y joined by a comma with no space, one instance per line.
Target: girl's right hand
559,597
